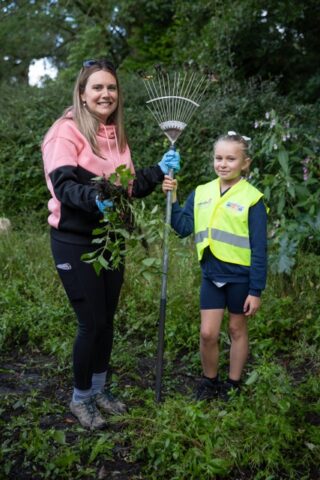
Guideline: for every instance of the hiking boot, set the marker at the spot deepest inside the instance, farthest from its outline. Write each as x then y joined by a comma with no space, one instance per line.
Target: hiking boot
228,390
207,390
88,414
110,404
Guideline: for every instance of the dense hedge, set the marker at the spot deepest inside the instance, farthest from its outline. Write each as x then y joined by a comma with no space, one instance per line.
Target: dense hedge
284,136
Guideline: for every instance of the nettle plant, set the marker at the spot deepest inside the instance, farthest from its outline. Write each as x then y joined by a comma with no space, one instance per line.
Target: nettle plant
124,227
288,159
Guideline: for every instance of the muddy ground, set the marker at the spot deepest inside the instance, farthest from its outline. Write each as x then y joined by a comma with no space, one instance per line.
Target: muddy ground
23,372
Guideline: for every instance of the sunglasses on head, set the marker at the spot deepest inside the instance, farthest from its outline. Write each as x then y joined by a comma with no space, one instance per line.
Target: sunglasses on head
102,63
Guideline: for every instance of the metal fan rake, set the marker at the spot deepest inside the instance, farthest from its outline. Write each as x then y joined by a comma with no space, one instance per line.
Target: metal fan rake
173,98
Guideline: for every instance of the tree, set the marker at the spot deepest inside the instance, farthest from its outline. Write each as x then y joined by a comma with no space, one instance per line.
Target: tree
274,39
31,30
239,38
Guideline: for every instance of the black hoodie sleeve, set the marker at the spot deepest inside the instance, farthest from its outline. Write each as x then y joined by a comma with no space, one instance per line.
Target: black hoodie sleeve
146,180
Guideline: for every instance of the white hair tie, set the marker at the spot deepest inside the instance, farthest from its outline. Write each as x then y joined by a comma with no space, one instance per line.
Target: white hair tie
232,133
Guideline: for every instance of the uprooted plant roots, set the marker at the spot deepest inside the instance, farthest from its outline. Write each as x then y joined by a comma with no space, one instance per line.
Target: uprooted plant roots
122,202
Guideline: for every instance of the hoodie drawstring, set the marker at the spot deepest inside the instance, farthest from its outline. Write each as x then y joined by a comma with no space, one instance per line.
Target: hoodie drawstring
109,146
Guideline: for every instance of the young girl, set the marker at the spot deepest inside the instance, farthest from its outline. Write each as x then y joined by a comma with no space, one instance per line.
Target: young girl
229,221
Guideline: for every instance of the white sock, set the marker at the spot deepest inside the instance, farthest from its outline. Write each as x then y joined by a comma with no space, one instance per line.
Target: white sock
81,395
98,382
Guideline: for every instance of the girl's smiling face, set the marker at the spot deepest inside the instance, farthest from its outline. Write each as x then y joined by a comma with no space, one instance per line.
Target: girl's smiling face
101,94
229,161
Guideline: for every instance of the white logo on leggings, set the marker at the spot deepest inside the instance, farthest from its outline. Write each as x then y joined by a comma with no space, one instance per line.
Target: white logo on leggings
64,266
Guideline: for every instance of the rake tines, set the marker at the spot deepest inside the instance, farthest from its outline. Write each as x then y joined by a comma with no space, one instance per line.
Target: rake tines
174,97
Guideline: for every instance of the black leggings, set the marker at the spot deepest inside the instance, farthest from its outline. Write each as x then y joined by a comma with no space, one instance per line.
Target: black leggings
94,299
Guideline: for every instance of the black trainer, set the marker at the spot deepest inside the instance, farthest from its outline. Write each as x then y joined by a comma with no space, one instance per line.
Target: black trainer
228,390
207,390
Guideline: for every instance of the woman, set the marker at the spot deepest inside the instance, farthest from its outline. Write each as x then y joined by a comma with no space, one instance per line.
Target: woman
89,141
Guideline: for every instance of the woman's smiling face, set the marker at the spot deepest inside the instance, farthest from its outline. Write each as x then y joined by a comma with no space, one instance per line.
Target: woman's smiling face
101,94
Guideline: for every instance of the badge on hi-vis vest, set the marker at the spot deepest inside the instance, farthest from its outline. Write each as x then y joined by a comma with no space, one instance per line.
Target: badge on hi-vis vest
205,203
235,206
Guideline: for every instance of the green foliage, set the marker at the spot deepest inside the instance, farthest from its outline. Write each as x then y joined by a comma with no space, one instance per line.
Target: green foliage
242,39
270,431
147,26
118,221
291,159
124,226
258,52
288,173
47,453
285,145
245,39
91,42
40,28
31,291
264,438
23,125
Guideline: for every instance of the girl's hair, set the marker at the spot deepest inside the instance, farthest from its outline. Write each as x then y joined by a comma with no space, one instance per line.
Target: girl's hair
237,138
87,123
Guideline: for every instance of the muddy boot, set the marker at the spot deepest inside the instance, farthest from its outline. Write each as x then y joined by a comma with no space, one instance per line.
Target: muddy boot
88,414
110,404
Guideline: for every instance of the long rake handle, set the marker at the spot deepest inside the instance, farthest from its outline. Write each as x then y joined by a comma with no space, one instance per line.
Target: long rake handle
163,299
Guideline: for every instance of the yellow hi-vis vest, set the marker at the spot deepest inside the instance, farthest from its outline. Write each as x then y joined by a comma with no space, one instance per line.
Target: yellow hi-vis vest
221,222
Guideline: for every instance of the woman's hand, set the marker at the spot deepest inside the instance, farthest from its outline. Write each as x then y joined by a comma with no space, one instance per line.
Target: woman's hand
170,160
170,185
251,305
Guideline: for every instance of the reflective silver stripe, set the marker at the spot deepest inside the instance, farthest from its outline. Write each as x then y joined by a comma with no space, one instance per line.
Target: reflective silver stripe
200,236
230,238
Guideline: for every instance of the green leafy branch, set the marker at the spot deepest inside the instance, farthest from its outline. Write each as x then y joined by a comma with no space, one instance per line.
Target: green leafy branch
123,227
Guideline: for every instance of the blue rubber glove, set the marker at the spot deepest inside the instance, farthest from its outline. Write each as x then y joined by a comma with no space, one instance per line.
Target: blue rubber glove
170,159
104,204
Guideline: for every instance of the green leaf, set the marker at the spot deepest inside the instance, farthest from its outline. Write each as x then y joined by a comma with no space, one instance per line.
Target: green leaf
88,256
99,240
311,446
283,159
154,210
103,262
125,234
285,264
59,436
253,377
148,276
281,204
97,267
148,261
291,190
98,231
267,193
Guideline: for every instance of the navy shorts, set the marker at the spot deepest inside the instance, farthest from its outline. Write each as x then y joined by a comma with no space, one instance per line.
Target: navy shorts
231,296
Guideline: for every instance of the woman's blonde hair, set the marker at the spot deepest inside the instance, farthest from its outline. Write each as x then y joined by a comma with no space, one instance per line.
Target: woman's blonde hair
87,123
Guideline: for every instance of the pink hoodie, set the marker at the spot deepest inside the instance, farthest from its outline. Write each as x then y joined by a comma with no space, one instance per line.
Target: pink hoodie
64,146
